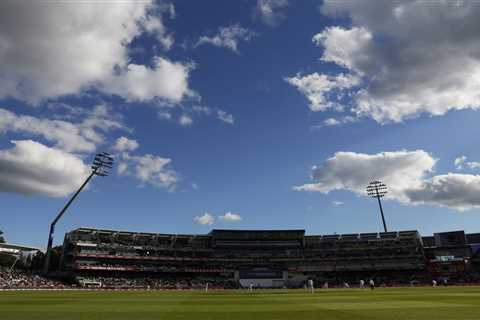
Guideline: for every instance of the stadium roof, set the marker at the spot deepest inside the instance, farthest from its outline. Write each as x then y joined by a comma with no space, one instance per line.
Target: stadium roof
258,230
15,249
257,235
87,229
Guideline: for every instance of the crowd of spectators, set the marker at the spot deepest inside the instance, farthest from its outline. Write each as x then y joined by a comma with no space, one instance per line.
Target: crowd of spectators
22,280
155,283
26,280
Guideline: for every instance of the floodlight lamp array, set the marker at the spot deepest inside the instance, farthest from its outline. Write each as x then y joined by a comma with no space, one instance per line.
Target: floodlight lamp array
102,164
376,189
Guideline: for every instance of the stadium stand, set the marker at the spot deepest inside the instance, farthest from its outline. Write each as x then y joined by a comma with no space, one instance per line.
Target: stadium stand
453,255
229,258
226,259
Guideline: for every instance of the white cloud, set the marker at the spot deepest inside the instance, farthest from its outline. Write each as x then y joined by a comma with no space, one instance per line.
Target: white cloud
400,170
473,164
405,174
271,12
188,114
122,168
329,122
412,57
165,115
323,91
125,144
462,160
185,120
149,169
458,162
230,217
225,117
458,191
228,37
202,109
205,220
220,114
155,25
30,168
337,203
170,8
83,136
66,48
166,80
208,219
343,45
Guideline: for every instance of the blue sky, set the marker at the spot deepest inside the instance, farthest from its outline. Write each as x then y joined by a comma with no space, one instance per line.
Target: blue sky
231,125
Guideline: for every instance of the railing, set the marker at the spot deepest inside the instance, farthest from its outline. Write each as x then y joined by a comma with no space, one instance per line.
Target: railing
159,269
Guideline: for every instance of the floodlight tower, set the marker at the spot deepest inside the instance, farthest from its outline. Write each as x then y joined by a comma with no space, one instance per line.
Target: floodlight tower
101,165
377,189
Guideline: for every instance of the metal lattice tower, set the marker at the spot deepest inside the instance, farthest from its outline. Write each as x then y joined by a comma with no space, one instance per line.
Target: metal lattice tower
377,189
101,165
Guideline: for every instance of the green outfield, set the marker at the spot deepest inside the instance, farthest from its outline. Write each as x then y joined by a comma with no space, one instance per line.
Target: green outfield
457,303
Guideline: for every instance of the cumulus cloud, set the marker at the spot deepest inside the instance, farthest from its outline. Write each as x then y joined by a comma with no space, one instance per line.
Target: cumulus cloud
205,220
230,217
125,144
323,91
185,120
413,57
208,219
122,168
458,191
164,114
155,25
218,113
166,80
330,122
400,170
31,168
188,114
458,162
228,37
50,49
225,117
149,169
462,160
82,136
473,164
404,172
341,46
271,12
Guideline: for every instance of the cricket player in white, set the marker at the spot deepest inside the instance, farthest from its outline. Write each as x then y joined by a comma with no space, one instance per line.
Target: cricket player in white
310,286
362,284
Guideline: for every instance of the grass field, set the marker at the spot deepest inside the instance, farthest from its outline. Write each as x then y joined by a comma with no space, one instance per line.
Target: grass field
457,303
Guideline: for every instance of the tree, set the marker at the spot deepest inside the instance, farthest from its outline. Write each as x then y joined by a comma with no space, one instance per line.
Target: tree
37,261
2,239
55,258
